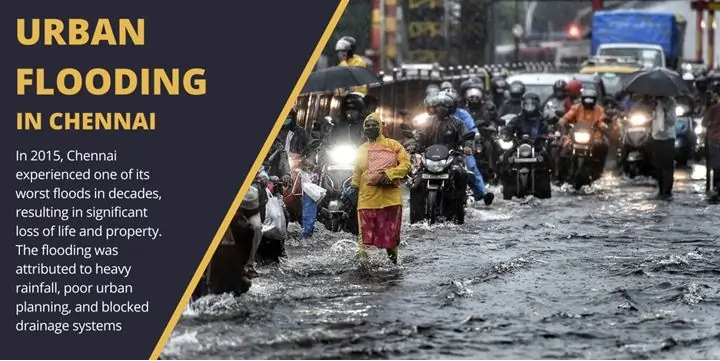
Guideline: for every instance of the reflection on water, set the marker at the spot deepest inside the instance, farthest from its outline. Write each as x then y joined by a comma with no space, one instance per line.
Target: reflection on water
605,272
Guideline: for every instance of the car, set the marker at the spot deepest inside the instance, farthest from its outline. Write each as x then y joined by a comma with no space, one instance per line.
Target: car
540,83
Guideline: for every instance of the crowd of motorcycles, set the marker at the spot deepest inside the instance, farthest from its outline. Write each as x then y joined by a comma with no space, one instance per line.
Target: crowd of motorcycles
522,167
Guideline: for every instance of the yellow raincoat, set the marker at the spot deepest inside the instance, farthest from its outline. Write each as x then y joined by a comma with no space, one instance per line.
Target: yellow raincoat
355,61
371,197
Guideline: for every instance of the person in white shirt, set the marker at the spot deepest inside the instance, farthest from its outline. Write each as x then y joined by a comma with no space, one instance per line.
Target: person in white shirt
662,110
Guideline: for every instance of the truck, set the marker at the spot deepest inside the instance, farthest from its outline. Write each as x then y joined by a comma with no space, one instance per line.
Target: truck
655,38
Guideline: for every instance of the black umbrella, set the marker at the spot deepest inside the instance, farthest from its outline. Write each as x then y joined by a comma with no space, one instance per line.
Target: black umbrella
339,77
657,82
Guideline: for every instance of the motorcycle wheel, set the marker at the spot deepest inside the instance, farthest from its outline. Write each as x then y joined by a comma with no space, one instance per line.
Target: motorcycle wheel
579,174
431,212
542,186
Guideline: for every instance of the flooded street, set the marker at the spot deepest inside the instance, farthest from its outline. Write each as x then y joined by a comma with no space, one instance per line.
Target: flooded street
604,273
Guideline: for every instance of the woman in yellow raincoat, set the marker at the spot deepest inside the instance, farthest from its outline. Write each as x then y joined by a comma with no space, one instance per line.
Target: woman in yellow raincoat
380,166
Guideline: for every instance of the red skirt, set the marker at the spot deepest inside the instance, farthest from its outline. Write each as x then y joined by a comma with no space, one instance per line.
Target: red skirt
381,227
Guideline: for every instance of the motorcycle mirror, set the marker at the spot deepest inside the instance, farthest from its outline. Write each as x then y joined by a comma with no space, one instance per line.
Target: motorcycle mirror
408,133
329,120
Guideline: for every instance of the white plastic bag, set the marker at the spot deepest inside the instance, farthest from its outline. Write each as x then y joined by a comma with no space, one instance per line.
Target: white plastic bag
314,191
274,226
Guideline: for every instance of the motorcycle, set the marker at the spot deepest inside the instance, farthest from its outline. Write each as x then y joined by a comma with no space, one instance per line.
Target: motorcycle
440,185
634,138
487,153
526,172
583,167
686,139
336,175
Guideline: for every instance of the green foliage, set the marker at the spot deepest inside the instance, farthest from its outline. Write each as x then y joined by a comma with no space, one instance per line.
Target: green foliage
355,22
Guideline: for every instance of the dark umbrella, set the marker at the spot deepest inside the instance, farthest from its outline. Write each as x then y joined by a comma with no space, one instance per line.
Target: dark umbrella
657,82
339,77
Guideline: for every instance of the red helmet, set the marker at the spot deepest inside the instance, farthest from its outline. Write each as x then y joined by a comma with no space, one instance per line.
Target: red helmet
574,87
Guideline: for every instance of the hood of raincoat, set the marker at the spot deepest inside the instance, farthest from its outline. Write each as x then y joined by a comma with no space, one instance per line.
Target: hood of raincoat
375,117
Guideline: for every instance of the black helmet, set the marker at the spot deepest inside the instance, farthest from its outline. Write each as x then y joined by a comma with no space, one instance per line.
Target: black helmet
453,94
444,105
589,97
472,82
352,107
517,89
530,103
559,88
498,84
473,95
701,83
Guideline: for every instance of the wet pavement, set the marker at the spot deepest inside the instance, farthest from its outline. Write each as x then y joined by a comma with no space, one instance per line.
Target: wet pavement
602,273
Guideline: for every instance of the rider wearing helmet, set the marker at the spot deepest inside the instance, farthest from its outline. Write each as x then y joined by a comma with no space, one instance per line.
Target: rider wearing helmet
444,129
345,48
574,87
513,105
559,95
348,128
477,184
592,114
498,86
529,121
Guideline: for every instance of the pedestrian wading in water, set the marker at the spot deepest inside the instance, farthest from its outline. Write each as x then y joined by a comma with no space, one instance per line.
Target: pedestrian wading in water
380,166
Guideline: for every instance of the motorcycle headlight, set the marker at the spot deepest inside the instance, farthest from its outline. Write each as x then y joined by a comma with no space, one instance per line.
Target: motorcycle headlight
680,110
505,145
421,119
435,166
342,154
525,150
699,129
638,120
582,137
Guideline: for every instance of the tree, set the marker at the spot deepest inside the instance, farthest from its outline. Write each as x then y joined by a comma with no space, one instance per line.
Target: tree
355,22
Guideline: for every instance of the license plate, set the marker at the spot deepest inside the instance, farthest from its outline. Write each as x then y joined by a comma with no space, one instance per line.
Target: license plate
580,146
637,130
526,160
435,176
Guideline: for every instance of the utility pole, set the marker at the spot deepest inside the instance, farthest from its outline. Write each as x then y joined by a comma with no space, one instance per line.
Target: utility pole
516,33
383,40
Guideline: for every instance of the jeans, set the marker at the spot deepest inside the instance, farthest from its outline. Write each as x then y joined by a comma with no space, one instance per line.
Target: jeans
309,214
477,184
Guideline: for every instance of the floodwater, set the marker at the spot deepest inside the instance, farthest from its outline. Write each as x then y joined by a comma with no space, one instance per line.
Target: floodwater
602,273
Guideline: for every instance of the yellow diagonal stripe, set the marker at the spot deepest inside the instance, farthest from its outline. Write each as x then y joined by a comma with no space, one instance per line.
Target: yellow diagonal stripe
248,179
